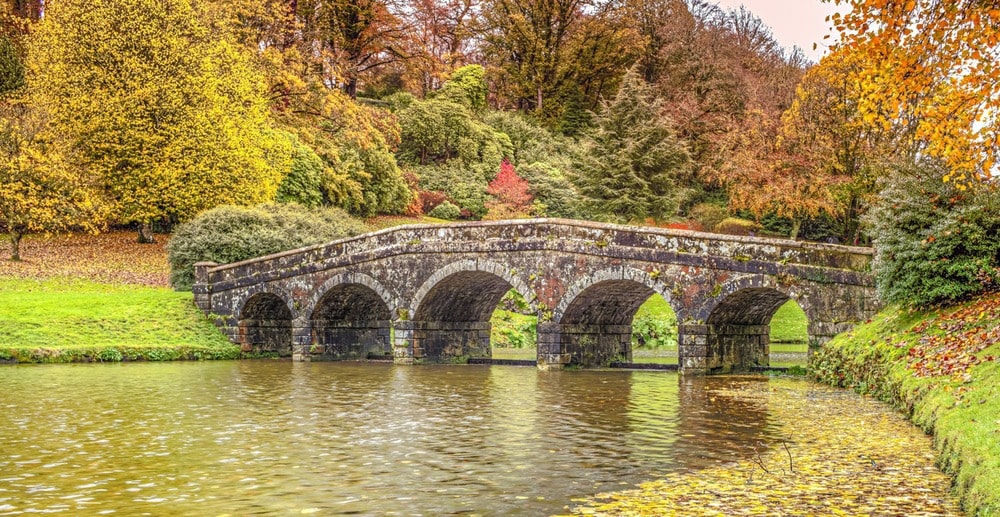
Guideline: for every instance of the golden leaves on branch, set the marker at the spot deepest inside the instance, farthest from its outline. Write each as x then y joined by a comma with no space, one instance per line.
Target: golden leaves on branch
933,64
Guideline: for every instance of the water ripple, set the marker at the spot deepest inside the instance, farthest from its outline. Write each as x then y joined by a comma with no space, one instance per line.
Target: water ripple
268,438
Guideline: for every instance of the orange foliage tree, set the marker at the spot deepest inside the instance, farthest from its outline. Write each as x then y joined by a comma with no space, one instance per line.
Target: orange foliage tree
934,62
767,175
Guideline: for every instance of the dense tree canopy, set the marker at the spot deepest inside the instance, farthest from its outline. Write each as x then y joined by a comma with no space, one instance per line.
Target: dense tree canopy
391,106
163,107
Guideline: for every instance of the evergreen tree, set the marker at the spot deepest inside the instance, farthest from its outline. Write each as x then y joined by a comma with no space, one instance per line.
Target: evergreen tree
634,162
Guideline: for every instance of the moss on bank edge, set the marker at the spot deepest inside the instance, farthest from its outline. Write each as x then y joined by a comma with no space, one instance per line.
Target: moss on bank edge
65,320
940,368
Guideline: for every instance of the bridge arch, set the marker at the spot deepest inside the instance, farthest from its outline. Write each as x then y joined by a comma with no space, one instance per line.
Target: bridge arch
735,285
451,310
264,322
360,279
617,276
736,333
462,277
594,316
259,289
349,316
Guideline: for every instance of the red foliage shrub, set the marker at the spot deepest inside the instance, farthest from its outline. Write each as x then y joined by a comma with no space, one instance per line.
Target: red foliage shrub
510,194
684,225
430,199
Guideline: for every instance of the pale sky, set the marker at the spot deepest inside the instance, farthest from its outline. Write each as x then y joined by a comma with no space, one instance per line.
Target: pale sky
793,22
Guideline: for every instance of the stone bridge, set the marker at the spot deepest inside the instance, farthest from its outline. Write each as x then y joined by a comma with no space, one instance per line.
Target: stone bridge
426,293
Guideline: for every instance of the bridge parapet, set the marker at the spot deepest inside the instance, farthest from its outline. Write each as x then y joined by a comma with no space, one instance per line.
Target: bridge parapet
613,241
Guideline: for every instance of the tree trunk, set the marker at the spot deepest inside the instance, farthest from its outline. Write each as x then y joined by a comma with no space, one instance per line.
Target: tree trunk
146,234
15,245
351,87
796,224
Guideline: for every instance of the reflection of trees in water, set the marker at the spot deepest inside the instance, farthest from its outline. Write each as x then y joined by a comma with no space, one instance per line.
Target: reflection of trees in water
720,420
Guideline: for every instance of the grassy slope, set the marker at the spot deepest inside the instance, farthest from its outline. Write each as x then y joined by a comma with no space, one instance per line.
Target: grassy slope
789,327
99,298
940,368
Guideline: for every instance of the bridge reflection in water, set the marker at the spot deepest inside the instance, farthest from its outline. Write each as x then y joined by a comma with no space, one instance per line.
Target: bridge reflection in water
426,293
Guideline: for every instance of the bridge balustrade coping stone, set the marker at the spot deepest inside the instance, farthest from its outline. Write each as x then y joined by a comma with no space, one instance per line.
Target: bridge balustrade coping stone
812,261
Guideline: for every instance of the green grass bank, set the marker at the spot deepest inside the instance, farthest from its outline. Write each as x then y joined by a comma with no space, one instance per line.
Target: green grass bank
940,368
60,320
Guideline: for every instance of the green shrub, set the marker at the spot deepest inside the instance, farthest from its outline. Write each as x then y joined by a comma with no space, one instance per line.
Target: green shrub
708,215
439,130
737,226
549,186
465,186
654,325
513,330
446,210
935,241
306,178
530,142
399,101
230,234
467,86
822,227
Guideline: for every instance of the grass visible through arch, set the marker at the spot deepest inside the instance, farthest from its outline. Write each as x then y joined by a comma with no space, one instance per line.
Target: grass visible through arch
513,338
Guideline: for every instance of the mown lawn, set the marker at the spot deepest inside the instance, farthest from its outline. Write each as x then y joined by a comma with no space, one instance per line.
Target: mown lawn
99,298
71,319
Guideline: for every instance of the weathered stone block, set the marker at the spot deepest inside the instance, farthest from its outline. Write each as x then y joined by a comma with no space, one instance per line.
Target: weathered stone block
695,362
693,351
692,329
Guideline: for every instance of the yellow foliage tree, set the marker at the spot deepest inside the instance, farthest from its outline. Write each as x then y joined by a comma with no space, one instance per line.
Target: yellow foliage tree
164,107
356,142
933,63
40,192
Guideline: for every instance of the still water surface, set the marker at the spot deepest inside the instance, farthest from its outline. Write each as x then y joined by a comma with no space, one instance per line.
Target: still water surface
368,439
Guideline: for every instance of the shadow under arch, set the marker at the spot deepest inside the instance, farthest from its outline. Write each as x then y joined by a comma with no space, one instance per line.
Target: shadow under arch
738,324
452,310
751,282
595,315
350,319
265,324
